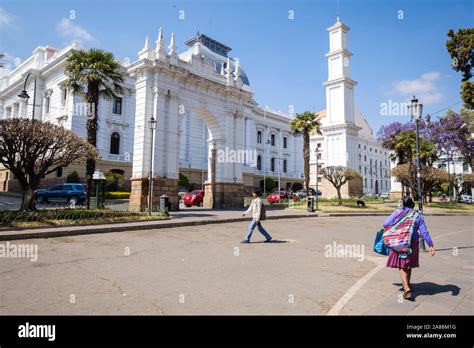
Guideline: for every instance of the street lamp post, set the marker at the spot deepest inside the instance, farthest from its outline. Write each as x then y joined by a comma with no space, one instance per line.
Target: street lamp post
266,142
152,126
24,95
416,110
317,177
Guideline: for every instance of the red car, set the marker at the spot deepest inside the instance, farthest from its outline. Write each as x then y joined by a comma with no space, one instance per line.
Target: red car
277,196
195,197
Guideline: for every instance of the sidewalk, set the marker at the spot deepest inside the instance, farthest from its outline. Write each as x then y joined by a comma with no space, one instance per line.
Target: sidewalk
443,285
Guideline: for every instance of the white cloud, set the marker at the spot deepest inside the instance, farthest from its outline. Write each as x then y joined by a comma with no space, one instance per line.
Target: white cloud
72,32
425,88
9,63
5,18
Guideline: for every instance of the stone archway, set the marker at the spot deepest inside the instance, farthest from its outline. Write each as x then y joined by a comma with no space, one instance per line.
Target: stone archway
224,184
167,87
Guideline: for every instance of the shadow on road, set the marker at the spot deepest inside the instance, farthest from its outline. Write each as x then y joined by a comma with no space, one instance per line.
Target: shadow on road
179,216
428,288
273,241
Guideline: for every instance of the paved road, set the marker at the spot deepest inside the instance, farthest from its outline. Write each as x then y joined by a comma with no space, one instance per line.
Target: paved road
204,270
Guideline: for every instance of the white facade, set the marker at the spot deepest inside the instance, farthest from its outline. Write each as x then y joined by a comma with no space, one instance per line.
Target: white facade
201,99
347,138
57,105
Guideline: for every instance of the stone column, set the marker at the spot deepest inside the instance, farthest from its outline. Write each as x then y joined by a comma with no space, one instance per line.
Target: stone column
145,98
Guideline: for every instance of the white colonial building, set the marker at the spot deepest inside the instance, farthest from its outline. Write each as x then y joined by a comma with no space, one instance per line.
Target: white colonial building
209,126
50,101
347,138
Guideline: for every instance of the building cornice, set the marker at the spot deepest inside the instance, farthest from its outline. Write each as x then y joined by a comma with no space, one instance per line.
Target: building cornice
347,80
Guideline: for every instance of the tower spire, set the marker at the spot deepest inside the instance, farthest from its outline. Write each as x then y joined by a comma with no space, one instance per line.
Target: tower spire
172,46
147,46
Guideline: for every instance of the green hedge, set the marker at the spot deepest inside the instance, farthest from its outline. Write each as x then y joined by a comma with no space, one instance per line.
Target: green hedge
7,217
117,195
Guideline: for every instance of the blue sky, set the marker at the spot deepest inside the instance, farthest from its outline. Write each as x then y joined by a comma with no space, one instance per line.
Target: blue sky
398,46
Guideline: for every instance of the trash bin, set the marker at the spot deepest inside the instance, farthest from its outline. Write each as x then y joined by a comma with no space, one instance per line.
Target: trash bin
164,204
311,204
93,202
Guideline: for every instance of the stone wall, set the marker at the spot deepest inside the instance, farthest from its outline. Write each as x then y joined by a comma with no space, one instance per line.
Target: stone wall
139,194
226,195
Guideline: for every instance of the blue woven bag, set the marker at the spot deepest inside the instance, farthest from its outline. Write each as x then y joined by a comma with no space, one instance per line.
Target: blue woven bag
379,246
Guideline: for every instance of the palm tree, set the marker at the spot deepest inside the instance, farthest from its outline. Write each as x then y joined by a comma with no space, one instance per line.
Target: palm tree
306,124
93,74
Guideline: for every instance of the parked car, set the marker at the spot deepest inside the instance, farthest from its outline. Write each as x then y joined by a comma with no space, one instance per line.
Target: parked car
311,191
181,192
466,199
385,195
71,192
195,197
277,196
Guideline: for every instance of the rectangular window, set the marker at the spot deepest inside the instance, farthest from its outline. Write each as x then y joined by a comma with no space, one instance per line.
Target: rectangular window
259,162
117,106
284,142
59,172
319,145
284,166
273,139
272,165
465,167
64,96
259,137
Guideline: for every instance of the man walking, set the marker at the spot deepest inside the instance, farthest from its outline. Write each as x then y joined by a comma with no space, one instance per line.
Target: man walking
258,213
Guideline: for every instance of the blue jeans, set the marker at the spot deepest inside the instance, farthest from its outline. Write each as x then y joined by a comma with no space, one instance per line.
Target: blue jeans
260,229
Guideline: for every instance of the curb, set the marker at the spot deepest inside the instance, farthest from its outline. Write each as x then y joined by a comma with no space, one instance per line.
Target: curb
64,231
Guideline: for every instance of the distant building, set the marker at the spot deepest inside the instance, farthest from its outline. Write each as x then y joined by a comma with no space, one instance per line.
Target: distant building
347,138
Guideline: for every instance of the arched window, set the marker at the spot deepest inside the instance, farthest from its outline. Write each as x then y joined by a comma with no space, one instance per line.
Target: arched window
115,143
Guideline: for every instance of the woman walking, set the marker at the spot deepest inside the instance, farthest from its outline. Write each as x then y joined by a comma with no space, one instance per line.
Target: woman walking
397,260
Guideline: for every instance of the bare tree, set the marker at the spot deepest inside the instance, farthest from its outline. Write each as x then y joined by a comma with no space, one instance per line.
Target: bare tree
338,176
31,149
431,178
